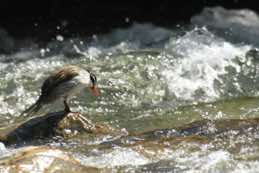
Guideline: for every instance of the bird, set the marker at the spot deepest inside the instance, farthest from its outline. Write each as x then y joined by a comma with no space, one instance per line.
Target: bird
63,84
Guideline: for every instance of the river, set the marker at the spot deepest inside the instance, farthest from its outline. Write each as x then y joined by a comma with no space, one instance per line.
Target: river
152,78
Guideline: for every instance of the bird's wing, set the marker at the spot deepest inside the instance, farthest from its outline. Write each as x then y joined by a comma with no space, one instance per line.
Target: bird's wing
58,78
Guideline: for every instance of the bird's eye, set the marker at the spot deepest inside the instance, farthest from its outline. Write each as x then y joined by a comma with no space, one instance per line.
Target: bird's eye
93,78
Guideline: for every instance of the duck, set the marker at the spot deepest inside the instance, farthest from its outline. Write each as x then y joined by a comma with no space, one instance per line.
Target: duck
62,85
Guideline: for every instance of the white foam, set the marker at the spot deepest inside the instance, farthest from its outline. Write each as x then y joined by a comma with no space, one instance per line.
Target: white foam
3,149
199,60
117,157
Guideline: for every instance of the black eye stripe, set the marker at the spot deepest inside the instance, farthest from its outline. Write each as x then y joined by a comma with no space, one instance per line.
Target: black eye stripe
93,78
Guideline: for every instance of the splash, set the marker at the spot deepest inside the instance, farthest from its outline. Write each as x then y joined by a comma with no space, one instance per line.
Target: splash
199,61
118,157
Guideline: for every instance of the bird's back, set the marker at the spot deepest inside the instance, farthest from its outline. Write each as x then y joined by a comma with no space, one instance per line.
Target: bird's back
51,84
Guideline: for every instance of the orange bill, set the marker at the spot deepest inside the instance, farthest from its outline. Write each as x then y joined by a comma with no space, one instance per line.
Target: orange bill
95,91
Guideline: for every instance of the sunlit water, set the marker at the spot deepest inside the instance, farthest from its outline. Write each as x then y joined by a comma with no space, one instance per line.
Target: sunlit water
150,78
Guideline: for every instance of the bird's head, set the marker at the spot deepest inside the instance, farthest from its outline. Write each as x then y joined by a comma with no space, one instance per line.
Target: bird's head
93,87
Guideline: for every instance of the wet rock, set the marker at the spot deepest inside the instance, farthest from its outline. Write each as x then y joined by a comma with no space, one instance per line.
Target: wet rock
201,132
35,128
52,124
74,123
203,128
230,135
42,159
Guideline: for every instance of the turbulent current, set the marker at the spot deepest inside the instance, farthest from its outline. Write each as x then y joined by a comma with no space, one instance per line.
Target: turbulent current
152,78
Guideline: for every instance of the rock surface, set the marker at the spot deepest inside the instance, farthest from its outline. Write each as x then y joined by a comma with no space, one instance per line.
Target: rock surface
49,125
42,159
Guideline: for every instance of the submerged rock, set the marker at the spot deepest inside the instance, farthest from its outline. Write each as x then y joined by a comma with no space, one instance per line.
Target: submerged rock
201,132
204,128
42,159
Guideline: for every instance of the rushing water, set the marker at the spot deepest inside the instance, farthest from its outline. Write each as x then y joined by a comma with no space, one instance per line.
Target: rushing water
151,78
